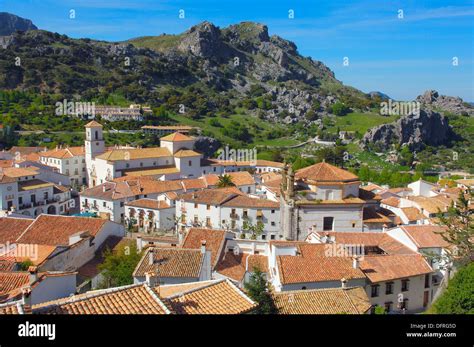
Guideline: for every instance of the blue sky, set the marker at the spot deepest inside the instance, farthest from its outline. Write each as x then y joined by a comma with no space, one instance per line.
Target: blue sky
400,57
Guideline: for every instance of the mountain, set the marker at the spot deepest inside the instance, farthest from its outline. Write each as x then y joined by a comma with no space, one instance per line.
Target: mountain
205,69
455,105
414,130
9,23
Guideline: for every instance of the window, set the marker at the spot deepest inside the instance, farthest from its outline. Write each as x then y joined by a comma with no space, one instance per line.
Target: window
404,304
272,237
272,224
353,225
232,224
127,165
427,280
195,205
303,288
389,288
273,211
208,207
141,164
20,200
328,223
264,237
405,285
208,221
388,306
245,214
196,219
104,204
121,204
374,290
190,163
45,195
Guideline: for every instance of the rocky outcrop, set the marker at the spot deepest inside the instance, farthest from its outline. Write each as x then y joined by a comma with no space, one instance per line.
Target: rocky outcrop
416,131
432,100
9,23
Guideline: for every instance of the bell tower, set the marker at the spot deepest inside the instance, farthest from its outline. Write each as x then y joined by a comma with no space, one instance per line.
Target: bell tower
94,143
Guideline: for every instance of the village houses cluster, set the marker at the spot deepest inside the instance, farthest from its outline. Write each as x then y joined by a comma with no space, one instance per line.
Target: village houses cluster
325,242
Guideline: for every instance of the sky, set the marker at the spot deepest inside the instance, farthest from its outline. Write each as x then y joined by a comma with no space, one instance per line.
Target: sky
401,48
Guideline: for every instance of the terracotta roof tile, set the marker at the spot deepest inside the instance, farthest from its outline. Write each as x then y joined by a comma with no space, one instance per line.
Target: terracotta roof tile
370,215
218,297
64,153
391,201
184,153
389,267
149,203
412,213
426,236
135,153
246,201
211,196
176,137
56,230
215,240
131,299
12,282
171,262
12,228
234,266
324,172
239,178
323,301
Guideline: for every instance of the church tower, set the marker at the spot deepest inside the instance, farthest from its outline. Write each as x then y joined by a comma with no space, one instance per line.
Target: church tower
94,145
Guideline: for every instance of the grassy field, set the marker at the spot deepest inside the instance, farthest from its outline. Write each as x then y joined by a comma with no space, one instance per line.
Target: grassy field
257,127
361,122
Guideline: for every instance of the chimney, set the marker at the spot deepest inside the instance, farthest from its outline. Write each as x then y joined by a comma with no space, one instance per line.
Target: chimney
355,262
203,246
151,258
26,296
139,244
343,283
150,279
33,270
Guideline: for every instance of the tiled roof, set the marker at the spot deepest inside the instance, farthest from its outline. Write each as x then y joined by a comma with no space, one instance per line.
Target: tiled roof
323,301
14,307
246,201
370,215
269,163
184,153
412,213
56,230
194,183
368,195
215,240
122,188
369,239
372,187
6,163
171,262
135,153
391,201
389,267
64,153
12,282
131,299
324,172
234,266
16,253
314,266
93,124
149,203
239,178
211,196
217,297
11,228
16,172
426,236
432,204
176,137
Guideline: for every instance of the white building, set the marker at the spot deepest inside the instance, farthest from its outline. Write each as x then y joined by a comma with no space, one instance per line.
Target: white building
69,161
151,215
24,192
229,209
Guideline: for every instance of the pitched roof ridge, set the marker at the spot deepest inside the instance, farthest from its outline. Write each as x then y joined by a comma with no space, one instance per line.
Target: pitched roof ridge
241,293
157,298
185,292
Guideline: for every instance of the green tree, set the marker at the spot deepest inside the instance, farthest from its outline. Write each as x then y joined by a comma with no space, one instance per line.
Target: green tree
459,232
459,295
118,265
255,229
339,109
225,181
257,289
